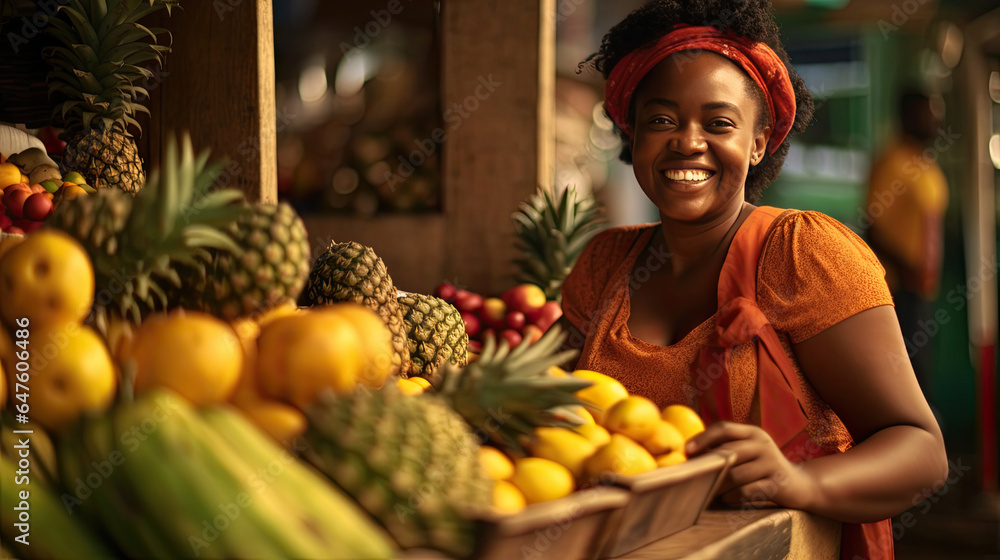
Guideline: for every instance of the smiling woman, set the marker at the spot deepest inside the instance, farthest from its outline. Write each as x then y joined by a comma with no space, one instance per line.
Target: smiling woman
775,325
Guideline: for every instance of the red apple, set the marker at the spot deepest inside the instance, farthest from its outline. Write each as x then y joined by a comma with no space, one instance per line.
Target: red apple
446,292
15,203
547,315
3,208
472,324
532,333
9,190
515,320
5,222
512,337
467,302
37,207
524,298
475,347
494,312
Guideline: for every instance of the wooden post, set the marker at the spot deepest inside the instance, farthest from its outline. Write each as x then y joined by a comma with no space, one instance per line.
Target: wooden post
218,84
496,109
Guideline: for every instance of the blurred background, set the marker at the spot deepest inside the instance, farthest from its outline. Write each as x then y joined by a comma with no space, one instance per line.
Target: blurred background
362,80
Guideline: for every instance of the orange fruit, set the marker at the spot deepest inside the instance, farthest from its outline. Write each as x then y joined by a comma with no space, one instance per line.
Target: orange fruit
620,456
9,174
47,278
665,439
71,373
302,354
603,394
376,342
408,387
247,389
564,446
541,480
597,435
281,421
195,354
670,459
496,465
507,499
634,416
684,419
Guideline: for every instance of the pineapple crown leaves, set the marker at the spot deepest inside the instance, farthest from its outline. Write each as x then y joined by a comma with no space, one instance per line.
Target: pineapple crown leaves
98,63
552,232
507,393
175,218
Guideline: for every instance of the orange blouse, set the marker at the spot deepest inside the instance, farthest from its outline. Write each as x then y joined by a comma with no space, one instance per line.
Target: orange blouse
813,273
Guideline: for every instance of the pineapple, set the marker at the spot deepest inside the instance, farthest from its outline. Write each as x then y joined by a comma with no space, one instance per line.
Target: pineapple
96,78
410,461
271,269
350,271
435,333
505,394
136,244
552,233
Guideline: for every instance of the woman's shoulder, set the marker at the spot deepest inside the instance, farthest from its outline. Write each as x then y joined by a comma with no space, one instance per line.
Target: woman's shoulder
814,271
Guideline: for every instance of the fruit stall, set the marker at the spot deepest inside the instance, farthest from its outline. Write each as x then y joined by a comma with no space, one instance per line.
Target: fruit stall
189,368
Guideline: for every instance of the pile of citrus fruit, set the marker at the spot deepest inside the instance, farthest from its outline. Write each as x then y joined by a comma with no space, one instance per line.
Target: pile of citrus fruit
622,434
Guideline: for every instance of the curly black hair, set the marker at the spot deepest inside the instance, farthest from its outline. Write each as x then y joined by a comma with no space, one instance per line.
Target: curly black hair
753,19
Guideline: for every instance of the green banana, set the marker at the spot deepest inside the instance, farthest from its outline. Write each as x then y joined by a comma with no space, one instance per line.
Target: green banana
345,529
182,475
53,533
113,503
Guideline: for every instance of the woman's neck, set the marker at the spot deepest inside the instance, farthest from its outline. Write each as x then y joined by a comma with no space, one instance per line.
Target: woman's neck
692,246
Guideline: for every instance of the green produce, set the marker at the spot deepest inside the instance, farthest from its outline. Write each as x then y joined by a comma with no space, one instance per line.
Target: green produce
410,461
435,333
188,490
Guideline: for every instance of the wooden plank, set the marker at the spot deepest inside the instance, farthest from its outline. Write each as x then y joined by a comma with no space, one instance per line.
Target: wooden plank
490,88
218,84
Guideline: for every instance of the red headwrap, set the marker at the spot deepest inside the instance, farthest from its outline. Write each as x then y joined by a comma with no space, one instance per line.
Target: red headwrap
757,59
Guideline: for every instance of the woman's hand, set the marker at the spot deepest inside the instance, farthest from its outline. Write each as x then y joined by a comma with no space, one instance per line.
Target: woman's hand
761,473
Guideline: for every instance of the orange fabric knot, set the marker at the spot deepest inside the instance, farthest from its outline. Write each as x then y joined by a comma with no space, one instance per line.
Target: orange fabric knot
739,321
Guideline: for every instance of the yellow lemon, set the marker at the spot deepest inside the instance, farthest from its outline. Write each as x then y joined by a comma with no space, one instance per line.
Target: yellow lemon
564,446
541,480
10,174
670,459
282,422
620,456
633,416
375,338
46,278
603,394
421,381
303,354
684,419
507,499
597,435
408,387
495,464
556,371
665,438
71,373
195,354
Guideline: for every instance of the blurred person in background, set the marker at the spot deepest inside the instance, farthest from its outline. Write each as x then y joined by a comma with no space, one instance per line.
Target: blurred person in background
907,199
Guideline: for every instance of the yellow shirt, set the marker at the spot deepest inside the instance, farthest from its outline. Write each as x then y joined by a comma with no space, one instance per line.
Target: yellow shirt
906,188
